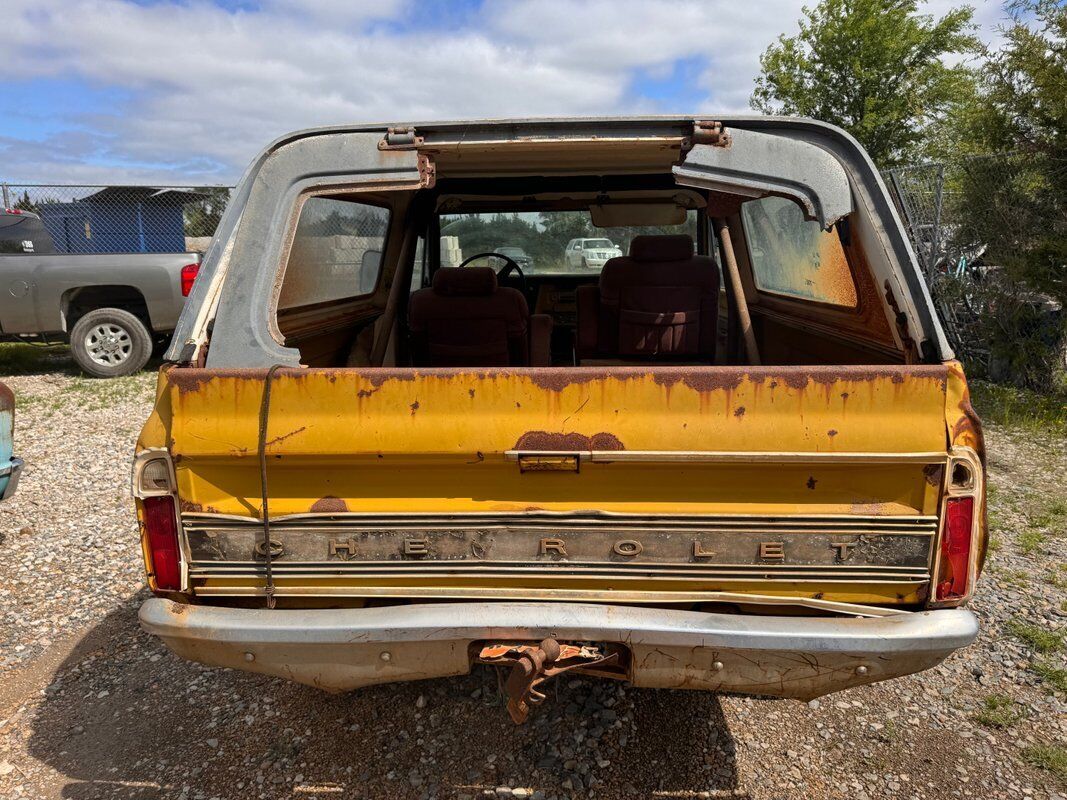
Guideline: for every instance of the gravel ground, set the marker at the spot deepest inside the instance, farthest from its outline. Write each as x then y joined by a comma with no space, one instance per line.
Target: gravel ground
92,707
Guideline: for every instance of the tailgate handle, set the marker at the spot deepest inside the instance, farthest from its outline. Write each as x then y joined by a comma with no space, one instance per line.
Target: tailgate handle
548,462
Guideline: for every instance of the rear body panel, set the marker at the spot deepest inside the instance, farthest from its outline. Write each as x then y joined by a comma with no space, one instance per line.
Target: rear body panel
814,482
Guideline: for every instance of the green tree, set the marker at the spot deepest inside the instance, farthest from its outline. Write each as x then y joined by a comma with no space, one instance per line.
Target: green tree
202,216
1014,202
24,203
876,68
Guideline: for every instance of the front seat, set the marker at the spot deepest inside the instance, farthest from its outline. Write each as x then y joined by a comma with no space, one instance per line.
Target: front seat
659,302
466,320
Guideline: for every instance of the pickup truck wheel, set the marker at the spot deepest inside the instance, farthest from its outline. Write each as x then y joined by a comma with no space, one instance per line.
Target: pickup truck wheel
110,343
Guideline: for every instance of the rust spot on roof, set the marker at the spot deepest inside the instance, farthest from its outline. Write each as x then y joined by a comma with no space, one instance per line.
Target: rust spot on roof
329,505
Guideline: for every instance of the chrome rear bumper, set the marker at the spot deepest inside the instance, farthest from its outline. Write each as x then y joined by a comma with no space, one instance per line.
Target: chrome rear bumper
342,649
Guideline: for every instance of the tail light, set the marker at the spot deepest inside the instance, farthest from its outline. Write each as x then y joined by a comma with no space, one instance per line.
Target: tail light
155,490
161,530
188,277
954,570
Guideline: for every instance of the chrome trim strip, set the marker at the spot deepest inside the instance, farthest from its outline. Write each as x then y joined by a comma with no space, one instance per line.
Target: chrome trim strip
592,518
496,593
732,457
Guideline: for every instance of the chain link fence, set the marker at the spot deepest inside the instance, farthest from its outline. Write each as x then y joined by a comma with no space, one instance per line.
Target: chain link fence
985,230
120,219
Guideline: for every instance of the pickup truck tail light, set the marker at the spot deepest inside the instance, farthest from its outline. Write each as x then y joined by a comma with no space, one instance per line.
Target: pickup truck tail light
188,277
154,487
954,570
161,530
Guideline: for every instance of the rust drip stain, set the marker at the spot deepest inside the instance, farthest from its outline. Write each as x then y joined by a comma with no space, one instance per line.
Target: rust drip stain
191,379
739,412
187,381
556,380
414,407
285,436
379,376
570,442
329,505
471,393
189,507
703,379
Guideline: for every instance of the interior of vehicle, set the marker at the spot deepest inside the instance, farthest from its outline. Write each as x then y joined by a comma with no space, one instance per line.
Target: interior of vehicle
529,260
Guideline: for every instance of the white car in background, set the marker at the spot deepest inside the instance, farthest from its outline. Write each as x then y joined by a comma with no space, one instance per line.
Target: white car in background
590,253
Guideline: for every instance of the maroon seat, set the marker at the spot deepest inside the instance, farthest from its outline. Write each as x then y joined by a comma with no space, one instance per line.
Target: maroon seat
660,301
466,320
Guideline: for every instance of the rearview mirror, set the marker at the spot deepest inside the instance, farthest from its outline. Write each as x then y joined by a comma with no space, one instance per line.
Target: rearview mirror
622,215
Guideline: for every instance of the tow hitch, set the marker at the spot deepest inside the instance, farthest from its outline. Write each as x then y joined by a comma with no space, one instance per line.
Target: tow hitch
533,665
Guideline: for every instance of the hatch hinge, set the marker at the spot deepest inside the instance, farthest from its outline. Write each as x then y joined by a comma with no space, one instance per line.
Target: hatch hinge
711,133
403,138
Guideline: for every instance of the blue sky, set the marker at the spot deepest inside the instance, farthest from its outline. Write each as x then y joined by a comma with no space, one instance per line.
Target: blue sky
186,91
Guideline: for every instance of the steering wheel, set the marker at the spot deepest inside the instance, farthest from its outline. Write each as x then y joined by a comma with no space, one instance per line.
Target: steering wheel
509,266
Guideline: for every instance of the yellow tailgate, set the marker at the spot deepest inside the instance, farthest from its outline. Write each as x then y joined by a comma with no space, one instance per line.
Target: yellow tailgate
785,446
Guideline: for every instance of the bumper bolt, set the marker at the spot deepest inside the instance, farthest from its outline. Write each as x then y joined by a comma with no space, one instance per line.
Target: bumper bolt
861,670
385,656
249,657
717,666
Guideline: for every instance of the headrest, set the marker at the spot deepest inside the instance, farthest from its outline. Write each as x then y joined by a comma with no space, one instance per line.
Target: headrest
662,248
464,281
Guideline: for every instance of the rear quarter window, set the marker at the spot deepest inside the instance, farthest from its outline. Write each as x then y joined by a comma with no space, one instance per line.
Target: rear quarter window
793,256
336,253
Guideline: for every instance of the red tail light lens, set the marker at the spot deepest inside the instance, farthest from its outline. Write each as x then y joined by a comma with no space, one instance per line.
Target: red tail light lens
162,532
188,275
955,566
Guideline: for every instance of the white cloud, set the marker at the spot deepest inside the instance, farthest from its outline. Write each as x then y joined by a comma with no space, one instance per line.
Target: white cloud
209,87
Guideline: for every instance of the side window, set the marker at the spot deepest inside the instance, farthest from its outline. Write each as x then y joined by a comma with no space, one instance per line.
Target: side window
336,253
794,256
